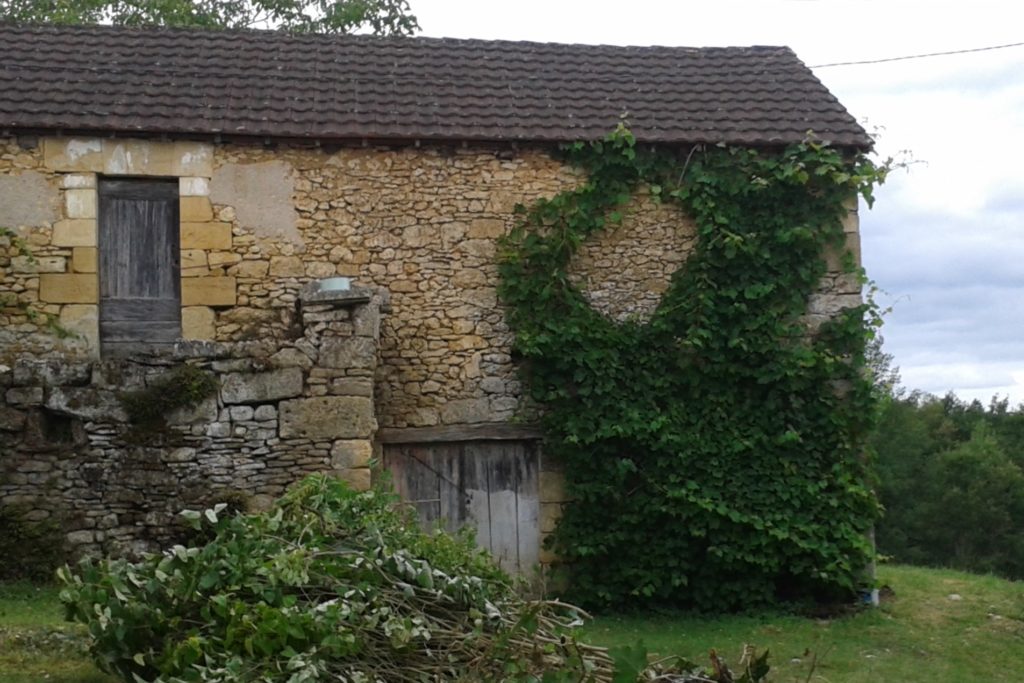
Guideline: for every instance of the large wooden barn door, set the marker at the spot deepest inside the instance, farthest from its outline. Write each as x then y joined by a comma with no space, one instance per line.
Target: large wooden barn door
491,486
139,271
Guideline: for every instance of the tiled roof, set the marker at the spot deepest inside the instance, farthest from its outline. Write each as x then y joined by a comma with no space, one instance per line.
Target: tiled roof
271,84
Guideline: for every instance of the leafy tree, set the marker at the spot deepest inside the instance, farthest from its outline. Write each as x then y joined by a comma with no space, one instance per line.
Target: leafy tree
976,507
885,375
952,482
381,17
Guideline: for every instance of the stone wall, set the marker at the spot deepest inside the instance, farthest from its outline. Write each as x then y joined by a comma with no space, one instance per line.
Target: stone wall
417,225
259,222
283,409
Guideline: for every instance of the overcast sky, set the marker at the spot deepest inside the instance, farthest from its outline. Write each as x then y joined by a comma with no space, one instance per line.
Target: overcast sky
945,240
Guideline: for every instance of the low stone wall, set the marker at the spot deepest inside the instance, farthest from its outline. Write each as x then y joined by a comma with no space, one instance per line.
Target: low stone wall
283,409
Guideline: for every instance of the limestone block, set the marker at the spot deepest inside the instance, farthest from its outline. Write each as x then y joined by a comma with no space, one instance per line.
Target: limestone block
73,154
24,396
352,386
222,258
78,181
68,288
38,264
263,413
82,537
318,269
80,203
492,385
195,209
148,157
182,454
286,358
261,387
486,228
466,410
137,157
403,286
193,159
50,372
193,258
358,479
366,321
504,404
287,266
830,304
193,187
327,417
74,233
349,353
195,272
351,454
468,342
851,220
198,322
208,291
469,278
847,283
83,259
86,403
478,248
83,320
241,413
250,269
483,297
209,235
203,413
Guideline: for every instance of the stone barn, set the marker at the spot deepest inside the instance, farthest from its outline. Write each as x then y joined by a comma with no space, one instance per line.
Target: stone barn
314,221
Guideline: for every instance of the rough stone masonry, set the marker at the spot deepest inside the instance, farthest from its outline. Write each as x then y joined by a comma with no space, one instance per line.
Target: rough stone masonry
282,409
303,384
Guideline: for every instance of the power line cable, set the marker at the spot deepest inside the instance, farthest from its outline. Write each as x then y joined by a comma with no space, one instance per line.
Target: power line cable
921,56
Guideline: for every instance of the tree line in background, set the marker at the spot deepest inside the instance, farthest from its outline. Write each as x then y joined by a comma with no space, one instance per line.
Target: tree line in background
951,478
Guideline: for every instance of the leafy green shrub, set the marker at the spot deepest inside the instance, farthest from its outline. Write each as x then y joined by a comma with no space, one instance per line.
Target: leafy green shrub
954,494
29,550
714,454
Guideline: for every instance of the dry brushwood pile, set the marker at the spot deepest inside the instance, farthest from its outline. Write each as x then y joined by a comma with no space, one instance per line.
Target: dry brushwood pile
336,585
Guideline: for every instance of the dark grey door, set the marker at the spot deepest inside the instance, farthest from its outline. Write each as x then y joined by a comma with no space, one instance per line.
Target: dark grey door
491,486
139,263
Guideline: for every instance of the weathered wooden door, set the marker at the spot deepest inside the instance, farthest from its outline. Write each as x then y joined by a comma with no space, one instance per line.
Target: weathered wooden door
491,486
139,263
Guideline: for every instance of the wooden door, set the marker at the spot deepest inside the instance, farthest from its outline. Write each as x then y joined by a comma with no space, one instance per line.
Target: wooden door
139,263
491,486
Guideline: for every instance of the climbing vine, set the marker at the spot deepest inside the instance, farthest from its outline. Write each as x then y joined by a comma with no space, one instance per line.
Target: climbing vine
714,453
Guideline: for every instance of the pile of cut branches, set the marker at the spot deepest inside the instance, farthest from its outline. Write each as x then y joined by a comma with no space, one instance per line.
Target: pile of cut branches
328,585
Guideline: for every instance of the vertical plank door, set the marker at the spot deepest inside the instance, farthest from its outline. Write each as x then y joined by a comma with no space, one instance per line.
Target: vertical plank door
490,486
139,263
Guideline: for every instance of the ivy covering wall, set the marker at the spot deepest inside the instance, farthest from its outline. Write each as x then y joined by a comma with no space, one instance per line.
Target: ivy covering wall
714,453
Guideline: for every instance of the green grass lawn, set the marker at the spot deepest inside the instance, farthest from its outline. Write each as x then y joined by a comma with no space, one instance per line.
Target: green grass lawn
919,634
36,645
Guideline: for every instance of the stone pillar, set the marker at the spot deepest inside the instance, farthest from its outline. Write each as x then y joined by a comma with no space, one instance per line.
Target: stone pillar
342,325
